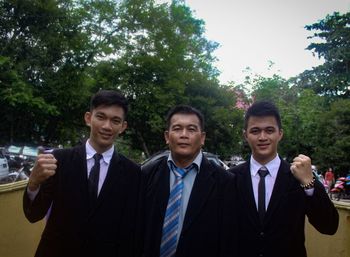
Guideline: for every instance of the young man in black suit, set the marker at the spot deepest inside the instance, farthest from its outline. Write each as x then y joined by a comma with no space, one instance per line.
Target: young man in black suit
275,196
188,208
91,190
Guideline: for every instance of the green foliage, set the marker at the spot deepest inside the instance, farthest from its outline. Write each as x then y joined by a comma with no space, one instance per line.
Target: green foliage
334,145
55,54
333,77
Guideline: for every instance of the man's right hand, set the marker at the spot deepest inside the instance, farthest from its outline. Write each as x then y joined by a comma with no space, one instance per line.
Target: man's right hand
45,167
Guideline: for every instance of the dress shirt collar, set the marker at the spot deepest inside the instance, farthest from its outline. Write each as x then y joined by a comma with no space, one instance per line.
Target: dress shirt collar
197,161
271,166
90,152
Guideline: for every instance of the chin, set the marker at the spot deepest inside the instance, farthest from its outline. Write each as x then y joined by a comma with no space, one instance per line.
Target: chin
182,153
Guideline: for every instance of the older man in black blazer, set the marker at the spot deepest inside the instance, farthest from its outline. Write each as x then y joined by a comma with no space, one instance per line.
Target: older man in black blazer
91,190
203,223
274,196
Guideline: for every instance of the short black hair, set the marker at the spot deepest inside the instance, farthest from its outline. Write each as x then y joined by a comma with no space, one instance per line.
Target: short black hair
263,109
109,98
185,109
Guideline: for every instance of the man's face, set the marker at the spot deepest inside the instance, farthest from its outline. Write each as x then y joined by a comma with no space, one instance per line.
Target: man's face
263,135
106,123
184,137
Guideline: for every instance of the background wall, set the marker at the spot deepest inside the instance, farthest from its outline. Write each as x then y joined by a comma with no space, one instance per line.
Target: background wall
338,245
19,238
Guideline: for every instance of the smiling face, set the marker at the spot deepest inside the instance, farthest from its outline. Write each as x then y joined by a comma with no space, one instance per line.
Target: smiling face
263,136
106,123
185,138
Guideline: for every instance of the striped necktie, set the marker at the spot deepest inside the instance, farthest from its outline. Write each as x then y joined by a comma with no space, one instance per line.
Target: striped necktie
171,219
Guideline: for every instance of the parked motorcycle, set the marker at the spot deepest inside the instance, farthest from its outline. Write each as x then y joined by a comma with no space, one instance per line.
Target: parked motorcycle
21,173
341,188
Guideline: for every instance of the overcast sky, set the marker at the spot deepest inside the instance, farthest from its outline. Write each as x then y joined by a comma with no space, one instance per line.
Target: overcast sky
254,32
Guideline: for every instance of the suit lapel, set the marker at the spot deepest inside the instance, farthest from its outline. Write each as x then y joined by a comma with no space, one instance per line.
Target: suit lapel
115,179
81,180
163,189
245,188
202,188
157,194
279,190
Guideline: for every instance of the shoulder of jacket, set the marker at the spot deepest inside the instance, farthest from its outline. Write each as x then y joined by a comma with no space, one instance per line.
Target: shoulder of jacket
239,168
149,167
128,161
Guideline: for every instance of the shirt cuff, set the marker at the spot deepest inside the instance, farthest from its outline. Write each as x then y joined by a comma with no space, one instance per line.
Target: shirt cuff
309,192
32,194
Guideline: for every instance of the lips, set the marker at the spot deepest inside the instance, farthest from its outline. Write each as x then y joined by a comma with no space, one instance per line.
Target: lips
263,146
105,136
183,145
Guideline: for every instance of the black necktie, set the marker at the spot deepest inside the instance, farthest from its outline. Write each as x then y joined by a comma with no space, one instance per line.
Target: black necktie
93,178
261,192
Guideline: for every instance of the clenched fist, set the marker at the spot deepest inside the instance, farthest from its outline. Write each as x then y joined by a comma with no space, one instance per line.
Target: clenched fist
301,169
45,167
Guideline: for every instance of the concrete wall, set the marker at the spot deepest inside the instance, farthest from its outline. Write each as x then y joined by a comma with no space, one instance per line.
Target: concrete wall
338,245
19,238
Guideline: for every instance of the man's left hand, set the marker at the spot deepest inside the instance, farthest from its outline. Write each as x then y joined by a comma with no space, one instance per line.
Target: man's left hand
301,169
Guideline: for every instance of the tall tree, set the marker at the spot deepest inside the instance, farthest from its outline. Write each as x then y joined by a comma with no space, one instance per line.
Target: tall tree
46,48
166,52
334,138
333,77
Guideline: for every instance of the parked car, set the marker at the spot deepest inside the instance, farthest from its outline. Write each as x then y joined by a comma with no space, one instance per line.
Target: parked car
23,151
17,155
210,156
30,152
4,167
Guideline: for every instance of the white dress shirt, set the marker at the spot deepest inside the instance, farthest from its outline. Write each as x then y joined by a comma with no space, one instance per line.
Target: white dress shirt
270,178
104,163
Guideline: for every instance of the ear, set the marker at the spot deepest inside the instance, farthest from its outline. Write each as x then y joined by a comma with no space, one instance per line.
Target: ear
281,134
124,127
87,118
203,136
166,136
245,134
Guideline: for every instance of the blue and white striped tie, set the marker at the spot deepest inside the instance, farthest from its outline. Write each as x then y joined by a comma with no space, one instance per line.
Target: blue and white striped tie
171,219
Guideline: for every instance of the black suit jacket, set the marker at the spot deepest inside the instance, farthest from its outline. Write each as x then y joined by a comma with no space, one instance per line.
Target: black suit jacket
208,228
72,228
282,232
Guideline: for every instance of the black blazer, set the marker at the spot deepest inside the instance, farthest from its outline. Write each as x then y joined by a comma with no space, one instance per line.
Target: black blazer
74,230
208,228
282,231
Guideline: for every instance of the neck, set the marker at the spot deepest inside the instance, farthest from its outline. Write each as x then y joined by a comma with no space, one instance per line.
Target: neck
183,162
263,161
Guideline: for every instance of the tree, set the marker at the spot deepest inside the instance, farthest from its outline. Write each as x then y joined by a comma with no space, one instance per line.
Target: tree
334,138
165,54
332,78
55,54
46,50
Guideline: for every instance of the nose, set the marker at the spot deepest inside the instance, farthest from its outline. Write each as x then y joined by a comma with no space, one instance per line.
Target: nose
107,125
184,133
262,135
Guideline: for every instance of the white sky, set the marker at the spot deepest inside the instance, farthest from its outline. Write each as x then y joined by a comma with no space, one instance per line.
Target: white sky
254,32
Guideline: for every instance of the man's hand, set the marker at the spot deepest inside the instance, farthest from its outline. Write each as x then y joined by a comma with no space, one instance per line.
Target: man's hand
301,169
45,167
